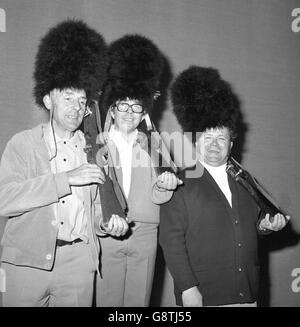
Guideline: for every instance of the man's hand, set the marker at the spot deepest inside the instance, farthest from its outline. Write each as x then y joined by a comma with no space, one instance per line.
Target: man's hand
117,226
168,181
279,222
192,297
85,174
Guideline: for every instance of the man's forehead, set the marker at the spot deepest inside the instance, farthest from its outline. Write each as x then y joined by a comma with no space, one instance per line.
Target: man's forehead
130,101
70,91
217,131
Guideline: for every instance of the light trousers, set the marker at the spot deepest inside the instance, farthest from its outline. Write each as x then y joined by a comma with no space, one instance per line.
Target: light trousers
127,268
68,284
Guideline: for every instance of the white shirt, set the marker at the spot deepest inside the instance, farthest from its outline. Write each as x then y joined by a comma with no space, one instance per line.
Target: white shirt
69,211
125,152
219,174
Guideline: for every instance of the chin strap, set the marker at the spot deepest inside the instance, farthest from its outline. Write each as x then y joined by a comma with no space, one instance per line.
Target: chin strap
158,150
52,136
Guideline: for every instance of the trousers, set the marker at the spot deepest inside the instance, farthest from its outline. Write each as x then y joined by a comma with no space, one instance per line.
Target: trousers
127,268
68,284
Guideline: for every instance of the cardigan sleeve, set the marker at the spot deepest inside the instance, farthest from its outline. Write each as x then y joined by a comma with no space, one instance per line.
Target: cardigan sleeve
173,226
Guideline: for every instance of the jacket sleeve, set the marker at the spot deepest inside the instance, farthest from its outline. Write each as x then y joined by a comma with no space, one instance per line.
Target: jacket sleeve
20,194
159,196
172,237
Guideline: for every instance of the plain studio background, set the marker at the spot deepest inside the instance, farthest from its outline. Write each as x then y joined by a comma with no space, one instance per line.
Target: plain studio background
256,47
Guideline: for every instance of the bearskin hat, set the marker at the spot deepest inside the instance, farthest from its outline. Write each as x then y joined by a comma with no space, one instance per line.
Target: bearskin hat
202,99
134,69
70,55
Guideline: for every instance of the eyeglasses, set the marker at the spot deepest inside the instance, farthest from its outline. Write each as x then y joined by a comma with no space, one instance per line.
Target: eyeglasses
124,106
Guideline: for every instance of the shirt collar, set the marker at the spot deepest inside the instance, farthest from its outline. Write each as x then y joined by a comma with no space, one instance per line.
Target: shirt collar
220,170
52,140
75,139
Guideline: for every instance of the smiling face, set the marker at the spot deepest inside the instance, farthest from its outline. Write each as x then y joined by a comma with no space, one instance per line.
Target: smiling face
214,146
126,122
68,108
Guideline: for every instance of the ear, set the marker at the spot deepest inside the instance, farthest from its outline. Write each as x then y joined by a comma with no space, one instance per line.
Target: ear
47,101
231,145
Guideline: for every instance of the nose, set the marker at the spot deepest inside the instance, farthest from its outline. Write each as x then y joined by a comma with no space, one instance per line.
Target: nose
129,111
77,105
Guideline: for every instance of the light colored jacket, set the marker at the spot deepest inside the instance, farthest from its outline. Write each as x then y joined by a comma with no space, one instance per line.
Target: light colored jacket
28,193
144,197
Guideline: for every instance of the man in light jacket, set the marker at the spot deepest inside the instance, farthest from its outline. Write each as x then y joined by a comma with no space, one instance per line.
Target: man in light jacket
47,188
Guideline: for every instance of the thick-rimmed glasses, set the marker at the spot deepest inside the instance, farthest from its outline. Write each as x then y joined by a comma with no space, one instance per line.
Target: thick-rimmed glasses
124,107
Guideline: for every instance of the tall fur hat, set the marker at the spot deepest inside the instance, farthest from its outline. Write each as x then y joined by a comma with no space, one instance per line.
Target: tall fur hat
70,55
134,69
202,99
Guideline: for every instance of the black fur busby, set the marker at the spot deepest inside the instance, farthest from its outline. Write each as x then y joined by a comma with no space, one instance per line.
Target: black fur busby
70,55
202,99
134,69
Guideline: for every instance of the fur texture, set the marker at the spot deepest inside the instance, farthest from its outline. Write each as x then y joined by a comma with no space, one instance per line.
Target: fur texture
202,99
134,70
70,55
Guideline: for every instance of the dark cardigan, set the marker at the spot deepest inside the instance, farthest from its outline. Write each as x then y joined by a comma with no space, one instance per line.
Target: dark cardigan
209,244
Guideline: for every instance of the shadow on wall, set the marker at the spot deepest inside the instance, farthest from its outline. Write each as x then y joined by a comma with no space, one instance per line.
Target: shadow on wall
288,237
158,280
161,103
242,128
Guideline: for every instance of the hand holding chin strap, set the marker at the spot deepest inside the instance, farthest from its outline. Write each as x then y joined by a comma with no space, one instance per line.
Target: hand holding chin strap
261,196
111,196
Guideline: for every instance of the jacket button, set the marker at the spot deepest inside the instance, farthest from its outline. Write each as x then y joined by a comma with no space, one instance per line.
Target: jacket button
239,245
240,269
48,256
241,294
236,221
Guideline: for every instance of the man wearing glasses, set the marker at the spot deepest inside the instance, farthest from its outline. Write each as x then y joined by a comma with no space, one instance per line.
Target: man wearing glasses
127,263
